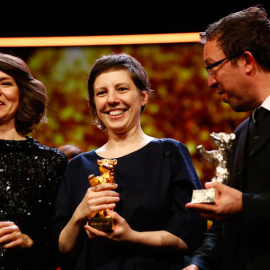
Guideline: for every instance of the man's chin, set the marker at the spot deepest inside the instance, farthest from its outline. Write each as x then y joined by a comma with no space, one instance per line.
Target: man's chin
238,108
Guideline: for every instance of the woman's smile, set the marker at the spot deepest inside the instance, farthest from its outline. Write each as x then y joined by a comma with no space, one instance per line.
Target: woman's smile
116,112
118,101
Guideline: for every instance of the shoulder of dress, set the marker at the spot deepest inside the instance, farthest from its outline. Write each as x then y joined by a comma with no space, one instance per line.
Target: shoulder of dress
81,158
50,151
171,143
166,140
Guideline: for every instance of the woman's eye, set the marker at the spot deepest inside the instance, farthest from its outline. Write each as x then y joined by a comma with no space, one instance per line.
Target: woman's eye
7,83
101,93
122,89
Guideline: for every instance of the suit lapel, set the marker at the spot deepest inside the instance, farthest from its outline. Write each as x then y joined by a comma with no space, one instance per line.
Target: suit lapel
240,155
240,149
264,135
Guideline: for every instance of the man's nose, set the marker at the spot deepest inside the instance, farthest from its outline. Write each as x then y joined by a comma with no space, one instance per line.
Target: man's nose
212,83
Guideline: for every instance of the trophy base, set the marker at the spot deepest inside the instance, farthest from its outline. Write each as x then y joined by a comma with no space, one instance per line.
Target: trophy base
203,196
101,223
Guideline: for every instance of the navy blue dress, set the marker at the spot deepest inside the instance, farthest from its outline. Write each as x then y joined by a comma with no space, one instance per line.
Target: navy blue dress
154,183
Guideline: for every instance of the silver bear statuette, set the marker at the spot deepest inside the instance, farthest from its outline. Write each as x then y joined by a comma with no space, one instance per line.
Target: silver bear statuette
219,157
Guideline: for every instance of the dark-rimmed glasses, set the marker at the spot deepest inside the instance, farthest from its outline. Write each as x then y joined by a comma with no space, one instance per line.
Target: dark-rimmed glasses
209,67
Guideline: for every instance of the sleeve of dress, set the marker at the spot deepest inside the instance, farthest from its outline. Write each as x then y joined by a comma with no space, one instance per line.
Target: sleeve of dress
42,223
185,223
63,212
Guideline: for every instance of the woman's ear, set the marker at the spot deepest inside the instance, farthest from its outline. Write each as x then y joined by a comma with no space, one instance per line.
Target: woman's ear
145,97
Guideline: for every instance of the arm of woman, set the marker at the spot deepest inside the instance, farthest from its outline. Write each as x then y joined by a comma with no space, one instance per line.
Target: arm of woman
96,199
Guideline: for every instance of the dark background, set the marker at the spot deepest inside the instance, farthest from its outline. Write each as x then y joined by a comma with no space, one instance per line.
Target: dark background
75,18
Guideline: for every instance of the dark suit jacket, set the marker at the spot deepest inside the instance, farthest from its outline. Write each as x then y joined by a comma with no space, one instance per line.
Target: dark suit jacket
244,242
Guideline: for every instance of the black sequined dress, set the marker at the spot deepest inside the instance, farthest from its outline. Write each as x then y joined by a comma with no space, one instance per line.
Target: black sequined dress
29,176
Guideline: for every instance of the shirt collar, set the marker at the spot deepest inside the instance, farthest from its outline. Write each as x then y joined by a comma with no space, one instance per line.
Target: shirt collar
265,104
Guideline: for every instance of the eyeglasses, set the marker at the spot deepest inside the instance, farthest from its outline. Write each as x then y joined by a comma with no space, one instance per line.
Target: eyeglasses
209,67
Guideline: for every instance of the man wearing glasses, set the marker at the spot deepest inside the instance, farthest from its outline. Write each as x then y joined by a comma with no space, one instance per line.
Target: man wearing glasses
237,58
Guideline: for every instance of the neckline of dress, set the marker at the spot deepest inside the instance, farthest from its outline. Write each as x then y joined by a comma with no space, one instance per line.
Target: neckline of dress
13,144
127,155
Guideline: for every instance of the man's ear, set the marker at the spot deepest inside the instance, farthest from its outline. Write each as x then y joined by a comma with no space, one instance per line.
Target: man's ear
249,61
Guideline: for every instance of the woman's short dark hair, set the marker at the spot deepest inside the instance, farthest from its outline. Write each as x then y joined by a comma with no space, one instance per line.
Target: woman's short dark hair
246,30
32,100
112,62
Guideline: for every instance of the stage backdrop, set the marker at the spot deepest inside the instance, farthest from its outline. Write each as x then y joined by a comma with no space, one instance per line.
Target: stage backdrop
181,106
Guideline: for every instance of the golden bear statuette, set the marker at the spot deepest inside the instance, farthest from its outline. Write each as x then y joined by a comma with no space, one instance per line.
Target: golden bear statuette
107,169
